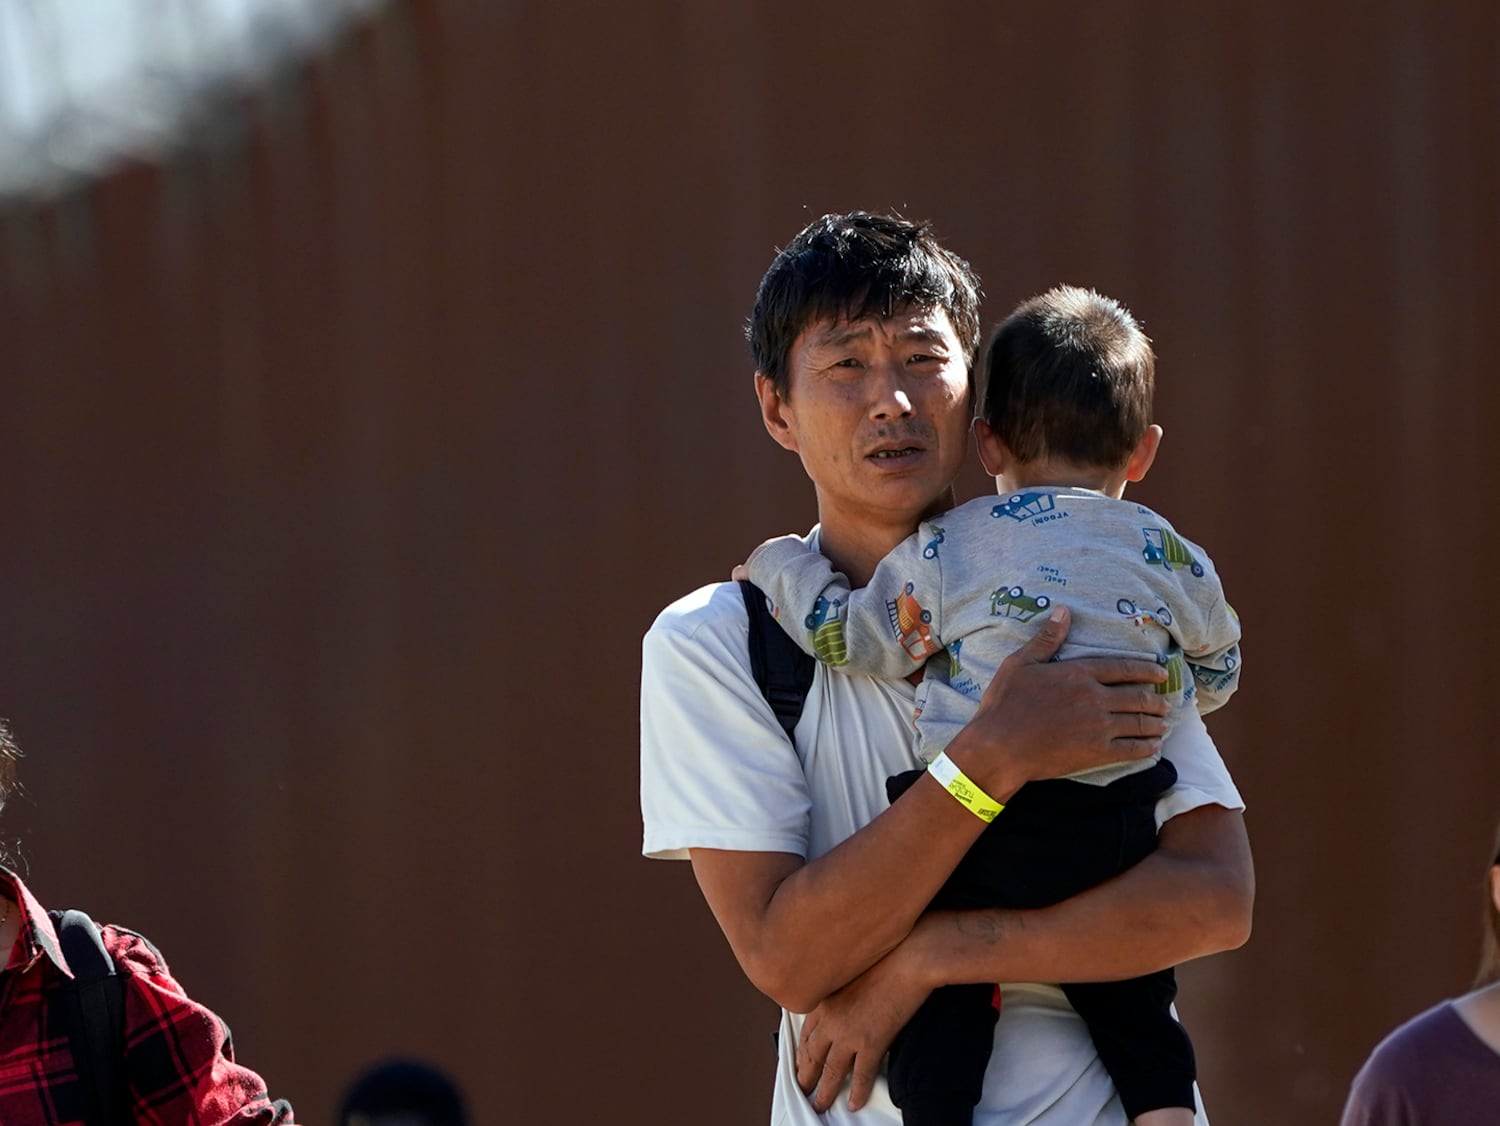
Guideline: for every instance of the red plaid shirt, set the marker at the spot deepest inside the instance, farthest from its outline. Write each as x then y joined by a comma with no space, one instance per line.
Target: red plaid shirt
178,1058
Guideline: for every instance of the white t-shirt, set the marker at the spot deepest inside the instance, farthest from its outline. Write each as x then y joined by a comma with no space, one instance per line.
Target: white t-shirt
717,771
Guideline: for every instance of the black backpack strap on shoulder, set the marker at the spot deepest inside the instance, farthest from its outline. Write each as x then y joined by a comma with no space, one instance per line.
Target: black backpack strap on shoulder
781,669
94,1002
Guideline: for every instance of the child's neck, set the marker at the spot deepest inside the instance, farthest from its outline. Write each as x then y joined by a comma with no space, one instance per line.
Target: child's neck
1051,471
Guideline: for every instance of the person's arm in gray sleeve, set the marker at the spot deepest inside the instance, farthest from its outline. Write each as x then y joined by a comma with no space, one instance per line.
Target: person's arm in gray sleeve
887,629
1208,630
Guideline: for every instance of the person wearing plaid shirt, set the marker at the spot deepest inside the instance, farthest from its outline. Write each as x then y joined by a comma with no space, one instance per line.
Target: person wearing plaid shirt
179,1062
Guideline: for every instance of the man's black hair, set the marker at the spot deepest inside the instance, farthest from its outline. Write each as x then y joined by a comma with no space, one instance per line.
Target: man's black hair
855,265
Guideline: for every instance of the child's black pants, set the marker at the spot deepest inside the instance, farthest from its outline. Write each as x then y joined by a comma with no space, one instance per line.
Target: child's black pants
1053,839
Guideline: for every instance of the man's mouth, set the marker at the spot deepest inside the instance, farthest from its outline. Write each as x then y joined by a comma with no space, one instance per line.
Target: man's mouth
904,451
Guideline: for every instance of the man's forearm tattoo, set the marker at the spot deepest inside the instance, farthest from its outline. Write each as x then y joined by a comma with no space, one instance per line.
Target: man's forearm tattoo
982,925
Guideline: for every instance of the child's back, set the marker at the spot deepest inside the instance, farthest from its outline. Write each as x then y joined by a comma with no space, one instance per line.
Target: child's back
973,580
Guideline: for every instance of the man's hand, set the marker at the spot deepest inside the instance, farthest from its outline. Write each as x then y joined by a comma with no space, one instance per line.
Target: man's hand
1041,718
848,1035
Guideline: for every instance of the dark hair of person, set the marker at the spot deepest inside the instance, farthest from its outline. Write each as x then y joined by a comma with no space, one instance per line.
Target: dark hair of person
1489,955
1069,375
9,755
403,1091
856,265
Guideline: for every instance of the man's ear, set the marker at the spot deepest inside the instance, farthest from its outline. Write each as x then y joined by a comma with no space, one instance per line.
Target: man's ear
994,454
1144,453
774,412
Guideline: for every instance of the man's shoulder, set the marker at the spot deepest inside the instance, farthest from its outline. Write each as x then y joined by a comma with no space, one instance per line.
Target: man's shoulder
706,629
717,609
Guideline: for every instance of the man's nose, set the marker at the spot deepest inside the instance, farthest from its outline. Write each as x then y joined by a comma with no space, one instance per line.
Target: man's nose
890,397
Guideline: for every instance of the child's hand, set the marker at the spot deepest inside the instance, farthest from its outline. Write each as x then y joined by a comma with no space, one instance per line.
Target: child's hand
742,570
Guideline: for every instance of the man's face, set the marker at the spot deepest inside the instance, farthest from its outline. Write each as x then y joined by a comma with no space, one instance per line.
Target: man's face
878,411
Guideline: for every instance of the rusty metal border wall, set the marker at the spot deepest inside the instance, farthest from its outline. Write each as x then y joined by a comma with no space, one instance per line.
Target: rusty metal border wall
344,467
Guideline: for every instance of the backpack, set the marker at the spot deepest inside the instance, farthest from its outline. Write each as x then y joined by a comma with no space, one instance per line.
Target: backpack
94,1002
781,669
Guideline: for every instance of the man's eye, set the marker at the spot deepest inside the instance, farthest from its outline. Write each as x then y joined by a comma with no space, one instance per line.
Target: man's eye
848,362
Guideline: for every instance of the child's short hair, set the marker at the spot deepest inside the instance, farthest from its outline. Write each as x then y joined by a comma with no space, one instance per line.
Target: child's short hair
1069,375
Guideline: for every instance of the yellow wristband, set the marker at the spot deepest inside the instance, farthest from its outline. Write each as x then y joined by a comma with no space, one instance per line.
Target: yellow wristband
957,783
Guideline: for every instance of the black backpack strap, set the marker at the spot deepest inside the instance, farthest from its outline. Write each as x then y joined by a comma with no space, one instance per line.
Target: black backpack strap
94,1002
781,669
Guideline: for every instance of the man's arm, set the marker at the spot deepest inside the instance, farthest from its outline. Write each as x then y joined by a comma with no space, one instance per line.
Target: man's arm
1189,898
802,930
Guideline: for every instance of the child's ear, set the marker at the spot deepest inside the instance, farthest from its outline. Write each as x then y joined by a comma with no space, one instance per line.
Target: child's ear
994,454
1144,453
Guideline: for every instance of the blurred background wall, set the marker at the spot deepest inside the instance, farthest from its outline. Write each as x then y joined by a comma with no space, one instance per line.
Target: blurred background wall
355,429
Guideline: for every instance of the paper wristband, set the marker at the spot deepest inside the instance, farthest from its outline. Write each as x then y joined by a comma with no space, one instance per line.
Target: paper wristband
957,783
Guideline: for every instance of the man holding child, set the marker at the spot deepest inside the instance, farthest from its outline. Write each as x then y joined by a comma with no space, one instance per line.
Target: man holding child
864,333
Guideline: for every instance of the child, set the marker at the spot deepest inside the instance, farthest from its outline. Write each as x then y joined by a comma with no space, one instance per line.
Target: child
1065,425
